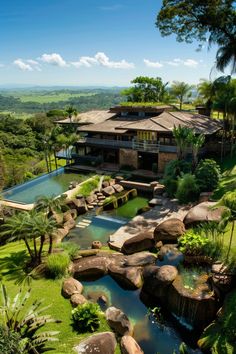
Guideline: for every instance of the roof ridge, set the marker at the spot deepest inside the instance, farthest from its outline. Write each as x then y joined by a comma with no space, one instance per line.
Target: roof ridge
157,123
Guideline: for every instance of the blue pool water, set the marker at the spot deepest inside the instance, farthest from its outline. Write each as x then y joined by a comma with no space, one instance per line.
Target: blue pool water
52,184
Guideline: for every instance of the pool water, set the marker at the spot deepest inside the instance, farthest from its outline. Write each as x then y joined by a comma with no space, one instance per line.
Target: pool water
52,184
100,227
153,337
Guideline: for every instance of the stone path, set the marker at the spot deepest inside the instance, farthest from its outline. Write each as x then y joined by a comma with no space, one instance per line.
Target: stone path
147,222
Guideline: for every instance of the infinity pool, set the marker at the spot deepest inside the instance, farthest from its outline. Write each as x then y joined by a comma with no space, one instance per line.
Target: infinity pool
52,184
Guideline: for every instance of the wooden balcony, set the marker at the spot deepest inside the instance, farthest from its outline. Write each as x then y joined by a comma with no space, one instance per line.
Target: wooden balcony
115,144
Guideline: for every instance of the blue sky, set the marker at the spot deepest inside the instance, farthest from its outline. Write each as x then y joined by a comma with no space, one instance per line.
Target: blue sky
92,42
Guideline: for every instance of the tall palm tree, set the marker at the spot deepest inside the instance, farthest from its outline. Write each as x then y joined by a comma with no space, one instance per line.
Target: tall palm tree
180,90
207,90
196,142
71,111
226,56
182,138
229,202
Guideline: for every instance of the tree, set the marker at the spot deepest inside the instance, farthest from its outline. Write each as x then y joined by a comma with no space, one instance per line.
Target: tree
26,321
202,20
146,89
229,202
182,138
180,90
71,111
207,91
196,142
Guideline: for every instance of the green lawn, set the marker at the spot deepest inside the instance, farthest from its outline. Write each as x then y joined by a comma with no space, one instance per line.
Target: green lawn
50,97
11,258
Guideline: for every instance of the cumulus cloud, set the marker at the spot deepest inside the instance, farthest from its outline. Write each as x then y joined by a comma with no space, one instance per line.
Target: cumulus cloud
187,62
152,64
22,65
53,59
102,59
34,64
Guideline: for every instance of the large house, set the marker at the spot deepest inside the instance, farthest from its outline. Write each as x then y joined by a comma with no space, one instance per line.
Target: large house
137,136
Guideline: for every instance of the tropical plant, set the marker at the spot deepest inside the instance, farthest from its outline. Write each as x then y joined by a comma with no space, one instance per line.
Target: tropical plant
208,175
202,21
50,205
182,137
57,265
187,188
173,170
180,90
86,317
192,243
229,202
26,320
196,142
11,342
71,111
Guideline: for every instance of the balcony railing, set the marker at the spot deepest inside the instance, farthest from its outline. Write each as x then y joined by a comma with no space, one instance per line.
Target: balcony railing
140,145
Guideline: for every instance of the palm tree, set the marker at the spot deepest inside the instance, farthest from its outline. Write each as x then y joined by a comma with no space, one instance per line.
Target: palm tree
21,316
50,205
226,55
196,142
180,90
207,90
229,202
71,111
182,138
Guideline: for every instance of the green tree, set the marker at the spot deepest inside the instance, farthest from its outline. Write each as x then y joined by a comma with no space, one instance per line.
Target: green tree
196,142
146,89
71,111
180,90
182,137
26,321
207,90
212,20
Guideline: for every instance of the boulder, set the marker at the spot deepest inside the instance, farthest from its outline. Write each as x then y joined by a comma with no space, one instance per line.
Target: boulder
203,212
205,196
169,230
90,199
157,280
79,205
90,267
58,217
108,191
159,189
71,286
171,254
59,234
105,184
101,343
67,216
129,278
96,245
129,345
118,188
118,321
77,299
140,259
144,240
70,224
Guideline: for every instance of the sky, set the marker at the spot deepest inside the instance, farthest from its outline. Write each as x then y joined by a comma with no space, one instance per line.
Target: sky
92,42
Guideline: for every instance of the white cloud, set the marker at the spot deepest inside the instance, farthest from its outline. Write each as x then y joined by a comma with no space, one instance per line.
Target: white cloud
187,62
102,59
34,64
152,64
54,59
22,65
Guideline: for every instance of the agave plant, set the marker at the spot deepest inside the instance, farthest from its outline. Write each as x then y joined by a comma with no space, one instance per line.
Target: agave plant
25,319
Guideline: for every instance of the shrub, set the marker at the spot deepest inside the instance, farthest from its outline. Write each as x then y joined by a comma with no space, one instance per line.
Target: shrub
70,248
57,264
192,244
208,175
88,186
10,342
173,170
187,189
86,317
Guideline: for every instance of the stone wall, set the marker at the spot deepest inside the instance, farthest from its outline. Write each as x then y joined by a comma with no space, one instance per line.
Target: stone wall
164,158
128,157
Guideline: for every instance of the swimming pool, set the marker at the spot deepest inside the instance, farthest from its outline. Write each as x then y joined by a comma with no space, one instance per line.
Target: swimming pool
51,184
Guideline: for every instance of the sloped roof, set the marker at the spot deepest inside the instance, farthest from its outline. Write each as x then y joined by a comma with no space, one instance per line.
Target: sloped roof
91,117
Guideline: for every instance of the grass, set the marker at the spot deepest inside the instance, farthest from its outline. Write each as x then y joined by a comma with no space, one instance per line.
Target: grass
88,186
12,258
50,97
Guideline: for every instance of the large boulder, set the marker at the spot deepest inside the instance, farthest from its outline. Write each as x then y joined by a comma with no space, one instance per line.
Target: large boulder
118,188
59,234
77,299
157,280
128,277
101,343
129,345
205,211
144,240
118,321
79,205
71,286
169,230
90,267
139,259
70,224
108,191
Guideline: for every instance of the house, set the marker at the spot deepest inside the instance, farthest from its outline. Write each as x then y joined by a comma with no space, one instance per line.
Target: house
138,136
